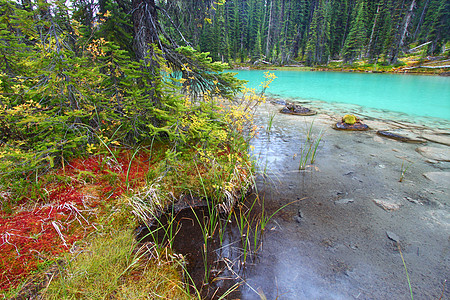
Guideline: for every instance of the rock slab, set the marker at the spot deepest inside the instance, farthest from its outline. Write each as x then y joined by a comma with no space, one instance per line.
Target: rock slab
437,138
441,178
436,153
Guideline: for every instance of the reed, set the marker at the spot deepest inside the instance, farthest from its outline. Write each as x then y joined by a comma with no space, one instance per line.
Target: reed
403,169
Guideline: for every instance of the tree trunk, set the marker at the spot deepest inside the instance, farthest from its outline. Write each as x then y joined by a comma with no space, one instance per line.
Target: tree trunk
268,30
373,30
296,43
403,31
421,18
145,23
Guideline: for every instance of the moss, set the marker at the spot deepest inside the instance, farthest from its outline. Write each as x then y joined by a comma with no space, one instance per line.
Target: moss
349,119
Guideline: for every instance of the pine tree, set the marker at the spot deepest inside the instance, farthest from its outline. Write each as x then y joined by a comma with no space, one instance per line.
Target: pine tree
339,26
403,30
436,26
317,47
356,38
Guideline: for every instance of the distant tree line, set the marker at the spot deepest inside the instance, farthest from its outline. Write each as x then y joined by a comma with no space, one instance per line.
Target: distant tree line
314,31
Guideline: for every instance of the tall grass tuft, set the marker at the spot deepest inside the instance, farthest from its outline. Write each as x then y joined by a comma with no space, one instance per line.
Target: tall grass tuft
309,148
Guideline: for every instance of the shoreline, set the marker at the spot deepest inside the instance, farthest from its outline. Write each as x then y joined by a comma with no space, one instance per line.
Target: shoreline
344,70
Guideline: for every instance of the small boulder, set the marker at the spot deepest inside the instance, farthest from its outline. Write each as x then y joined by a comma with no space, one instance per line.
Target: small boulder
344,201
392,236
387,205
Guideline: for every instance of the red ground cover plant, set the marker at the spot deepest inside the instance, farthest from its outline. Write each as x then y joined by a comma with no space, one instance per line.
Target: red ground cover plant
39,231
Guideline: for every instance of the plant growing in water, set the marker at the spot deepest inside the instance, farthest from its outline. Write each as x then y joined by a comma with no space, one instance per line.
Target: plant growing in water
309,148
404,168
270,122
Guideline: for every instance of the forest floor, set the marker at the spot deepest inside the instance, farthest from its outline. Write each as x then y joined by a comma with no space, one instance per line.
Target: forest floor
356,228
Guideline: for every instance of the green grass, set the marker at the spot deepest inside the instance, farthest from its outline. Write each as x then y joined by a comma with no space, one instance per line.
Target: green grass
309,148
112,266
403,169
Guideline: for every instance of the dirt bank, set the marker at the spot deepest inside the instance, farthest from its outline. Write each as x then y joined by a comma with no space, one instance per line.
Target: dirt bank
342,241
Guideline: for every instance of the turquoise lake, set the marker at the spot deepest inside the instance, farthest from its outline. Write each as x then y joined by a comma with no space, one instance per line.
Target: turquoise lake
408,95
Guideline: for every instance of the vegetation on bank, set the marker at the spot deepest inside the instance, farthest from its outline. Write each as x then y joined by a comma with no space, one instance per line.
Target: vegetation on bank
413,64
93,133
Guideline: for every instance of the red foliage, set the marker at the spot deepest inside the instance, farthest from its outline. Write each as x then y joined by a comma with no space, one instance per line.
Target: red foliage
30,236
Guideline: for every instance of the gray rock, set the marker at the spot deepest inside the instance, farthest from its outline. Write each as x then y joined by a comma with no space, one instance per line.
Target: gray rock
441,178
432,161
387,205
413,200
436,153
344,201
392,236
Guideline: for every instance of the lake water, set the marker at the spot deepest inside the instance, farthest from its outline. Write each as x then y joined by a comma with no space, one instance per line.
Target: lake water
402,96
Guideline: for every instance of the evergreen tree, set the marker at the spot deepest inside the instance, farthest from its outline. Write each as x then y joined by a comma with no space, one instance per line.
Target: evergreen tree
355,40
339,26
317,47
436,26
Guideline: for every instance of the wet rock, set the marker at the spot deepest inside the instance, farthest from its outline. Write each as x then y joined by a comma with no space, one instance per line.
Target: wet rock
402,137
353,246
441,178
431,161
387,205
436,153
413,200
392,236
294,109
278,101
358,126
441,139
344,201
299,217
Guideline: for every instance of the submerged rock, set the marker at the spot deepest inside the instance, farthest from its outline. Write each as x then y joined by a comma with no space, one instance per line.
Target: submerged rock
441,139
392,236
387,205
344,201
294,109
441,178
436,153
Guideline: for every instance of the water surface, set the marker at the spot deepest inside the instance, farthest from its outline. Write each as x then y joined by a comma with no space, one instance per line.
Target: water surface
410,95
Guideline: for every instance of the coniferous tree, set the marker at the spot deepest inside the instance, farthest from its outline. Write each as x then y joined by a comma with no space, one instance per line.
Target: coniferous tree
436,26
355,40
317,47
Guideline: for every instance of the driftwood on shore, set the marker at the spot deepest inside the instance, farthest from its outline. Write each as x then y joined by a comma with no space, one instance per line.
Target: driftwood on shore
428,67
